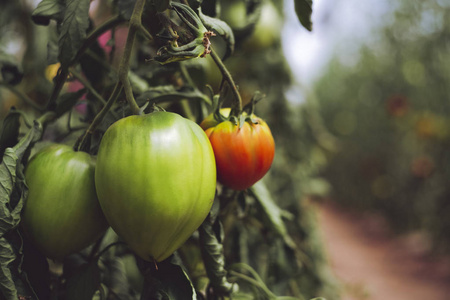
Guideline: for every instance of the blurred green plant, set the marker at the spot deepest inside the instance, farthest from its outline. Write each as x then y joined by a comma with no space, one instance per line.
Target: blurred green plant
390,112
91,64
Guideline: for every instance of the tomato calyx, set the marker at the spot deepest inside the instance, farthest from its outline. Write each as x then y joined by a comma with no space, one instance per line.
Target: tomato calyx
233,114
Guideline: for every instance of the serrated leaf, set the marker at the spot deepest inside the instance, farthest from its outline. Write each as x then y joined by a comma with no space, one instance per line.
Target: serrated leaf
73,30
83,284
66,101
48,10
126,8
221,28
303,9
161,5
272,213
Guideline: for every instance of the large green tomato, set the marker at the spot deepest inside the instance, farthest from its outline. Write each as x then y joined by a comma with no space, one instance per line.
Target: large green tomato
62,214
156,180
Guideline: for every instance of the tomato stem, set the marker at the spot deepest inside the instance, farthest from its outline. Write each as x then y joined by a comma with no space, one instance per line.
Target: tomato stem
61,77
237,107
87,85
80,145
134,27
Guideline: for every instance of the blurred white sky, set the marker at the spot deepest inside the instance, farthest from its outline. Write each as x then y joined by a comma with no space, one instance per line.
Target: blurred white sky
339,26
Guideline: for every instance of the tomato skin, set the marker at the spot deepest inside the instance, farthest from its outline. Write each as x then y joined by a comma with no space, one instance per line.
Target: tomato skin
156,181
243,155
62,214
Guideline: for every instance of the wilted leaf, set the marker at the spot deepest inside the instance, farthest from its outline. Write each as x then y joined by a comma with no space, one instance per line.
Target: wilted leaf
73,30
13,192
222,29
303,8
7,256
211,236
48,10
274,215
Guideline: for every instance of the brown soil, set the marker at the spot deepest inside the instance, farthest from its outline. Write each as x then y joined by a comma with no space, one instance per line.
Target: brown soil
372,264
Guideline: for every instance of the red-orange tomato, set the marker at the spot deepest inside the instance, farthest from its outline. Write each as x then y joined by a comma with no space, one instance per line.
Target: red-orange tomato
243,155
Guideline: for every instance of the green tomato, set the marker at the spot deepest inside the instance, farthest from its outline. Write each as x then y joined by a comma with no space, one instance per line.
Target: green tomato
267,30
156,180
62,214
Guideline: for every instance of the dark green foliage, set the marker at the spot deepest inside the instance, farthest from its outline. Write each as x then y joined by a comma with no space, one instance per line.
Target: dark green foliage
303,8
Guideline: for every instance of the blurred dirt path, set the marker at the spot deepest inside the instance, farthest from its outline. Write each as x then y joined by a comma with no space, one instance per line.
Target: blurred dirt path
371,264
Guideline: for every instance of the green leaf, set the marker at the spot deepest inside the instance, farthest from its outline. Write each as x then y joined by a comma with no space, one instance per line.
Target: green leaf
66,101
211,236
168,282
48,10
13,192
303,8
272,213
52,46
126,8
92,68
161,5
116,278
73,30
10,131
7,256
221,28
167,93
83,284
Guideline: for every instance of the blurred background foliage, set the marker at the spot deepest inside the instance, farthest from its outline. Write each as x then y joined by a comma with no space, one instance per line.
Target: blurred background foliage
388,109
280,241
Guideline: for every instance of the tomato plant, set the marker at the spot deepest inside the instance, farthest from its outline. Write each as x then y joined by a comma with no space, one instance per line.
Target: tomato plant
156,180
243,152
62,214
98,68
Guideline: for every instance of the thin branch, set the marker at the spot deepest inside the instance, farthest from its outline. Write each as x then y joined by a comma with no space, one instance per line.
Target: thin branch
81,143
87,85
135,25
227,76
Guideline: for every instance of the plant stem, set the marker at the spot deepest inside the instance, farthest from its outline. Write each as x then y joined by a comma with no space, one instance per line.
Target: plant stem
97,32
81,143
227,76
87,85
64,72
135,25
254,282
